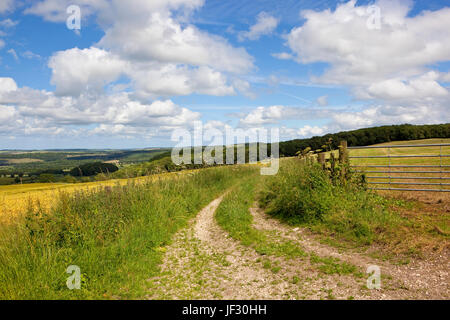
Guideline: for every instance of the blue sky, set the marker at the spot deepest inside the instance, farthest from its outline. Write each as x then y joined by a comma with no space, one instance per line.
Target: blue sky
133,74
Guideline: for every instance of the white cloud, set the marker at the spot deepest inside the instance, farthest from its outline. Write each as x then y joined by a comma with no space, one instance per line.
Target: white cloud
152,47
392,65
55,10
422,87
7,85
6,6
147,44
283,56
377,115
42,112
322,101
402,47
13,53
8,23
265,25
31,55
445,77
76,70
170,79
7,113
264,115
161,38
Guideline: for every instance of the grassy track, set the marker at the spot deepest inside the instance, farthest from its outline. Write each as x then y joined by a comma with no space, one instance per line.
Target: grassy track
116,236
233,215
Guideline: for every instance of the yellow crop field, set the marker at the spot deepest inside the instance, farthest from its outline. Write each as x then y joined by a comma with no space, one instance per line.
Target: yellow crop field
15,199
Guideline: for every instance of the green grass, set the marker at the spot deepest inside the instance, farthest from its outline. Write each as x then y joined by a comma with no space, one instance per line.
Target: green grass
116,236
349,215
233,216
303,194
330,265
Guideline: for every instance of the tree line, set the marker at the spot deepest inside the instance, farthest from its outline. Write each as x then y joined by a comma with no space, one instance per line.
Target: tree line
367,136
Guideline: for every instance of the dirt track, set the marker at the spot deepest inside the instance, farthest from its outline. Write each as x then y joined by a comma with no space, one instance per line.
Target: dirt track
203,262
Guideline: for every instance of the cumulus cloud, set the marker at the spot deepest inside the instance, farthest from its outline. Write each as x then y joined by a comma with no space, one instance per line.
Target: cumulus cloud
359,56
145,42
76,70
169,79
391,66
36,111
7,85
344,118
161,38
264,115
274,114
120,85
390,114
265,25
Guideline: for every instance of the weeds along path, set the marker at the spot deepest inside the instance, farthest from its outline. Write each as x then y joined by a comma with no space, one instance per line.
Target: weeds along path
419,279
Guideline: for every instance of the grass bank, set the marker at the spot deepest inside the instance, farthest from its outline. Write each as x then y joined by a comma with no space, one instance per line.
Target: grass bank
346,213
116,236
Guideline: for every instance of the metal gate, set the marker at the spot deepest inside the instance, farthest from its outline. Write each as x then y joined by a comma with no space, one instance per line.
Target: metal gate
434,176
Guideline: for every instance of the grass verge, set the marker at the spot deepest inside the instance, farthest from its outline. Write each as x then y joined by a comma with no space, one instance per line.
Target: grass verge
116,236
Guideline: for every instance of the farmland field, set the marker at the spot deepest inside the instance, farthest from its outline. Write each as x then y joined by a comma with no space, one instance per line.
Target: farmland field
28,162
15,199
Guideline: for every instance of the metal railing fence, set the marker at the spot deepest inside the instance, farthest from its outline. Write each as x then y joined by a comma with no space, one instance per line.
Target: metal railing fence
444,175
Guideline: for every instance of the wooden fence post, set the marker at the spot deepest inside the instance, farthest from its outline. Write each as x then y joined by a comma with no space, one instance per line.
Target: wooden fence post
343,158
321,159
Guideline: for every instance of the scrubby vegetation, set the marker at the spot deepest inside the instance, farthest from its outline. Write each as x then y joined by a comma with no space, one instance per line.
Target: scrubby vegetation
303,193
115,235
91,169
